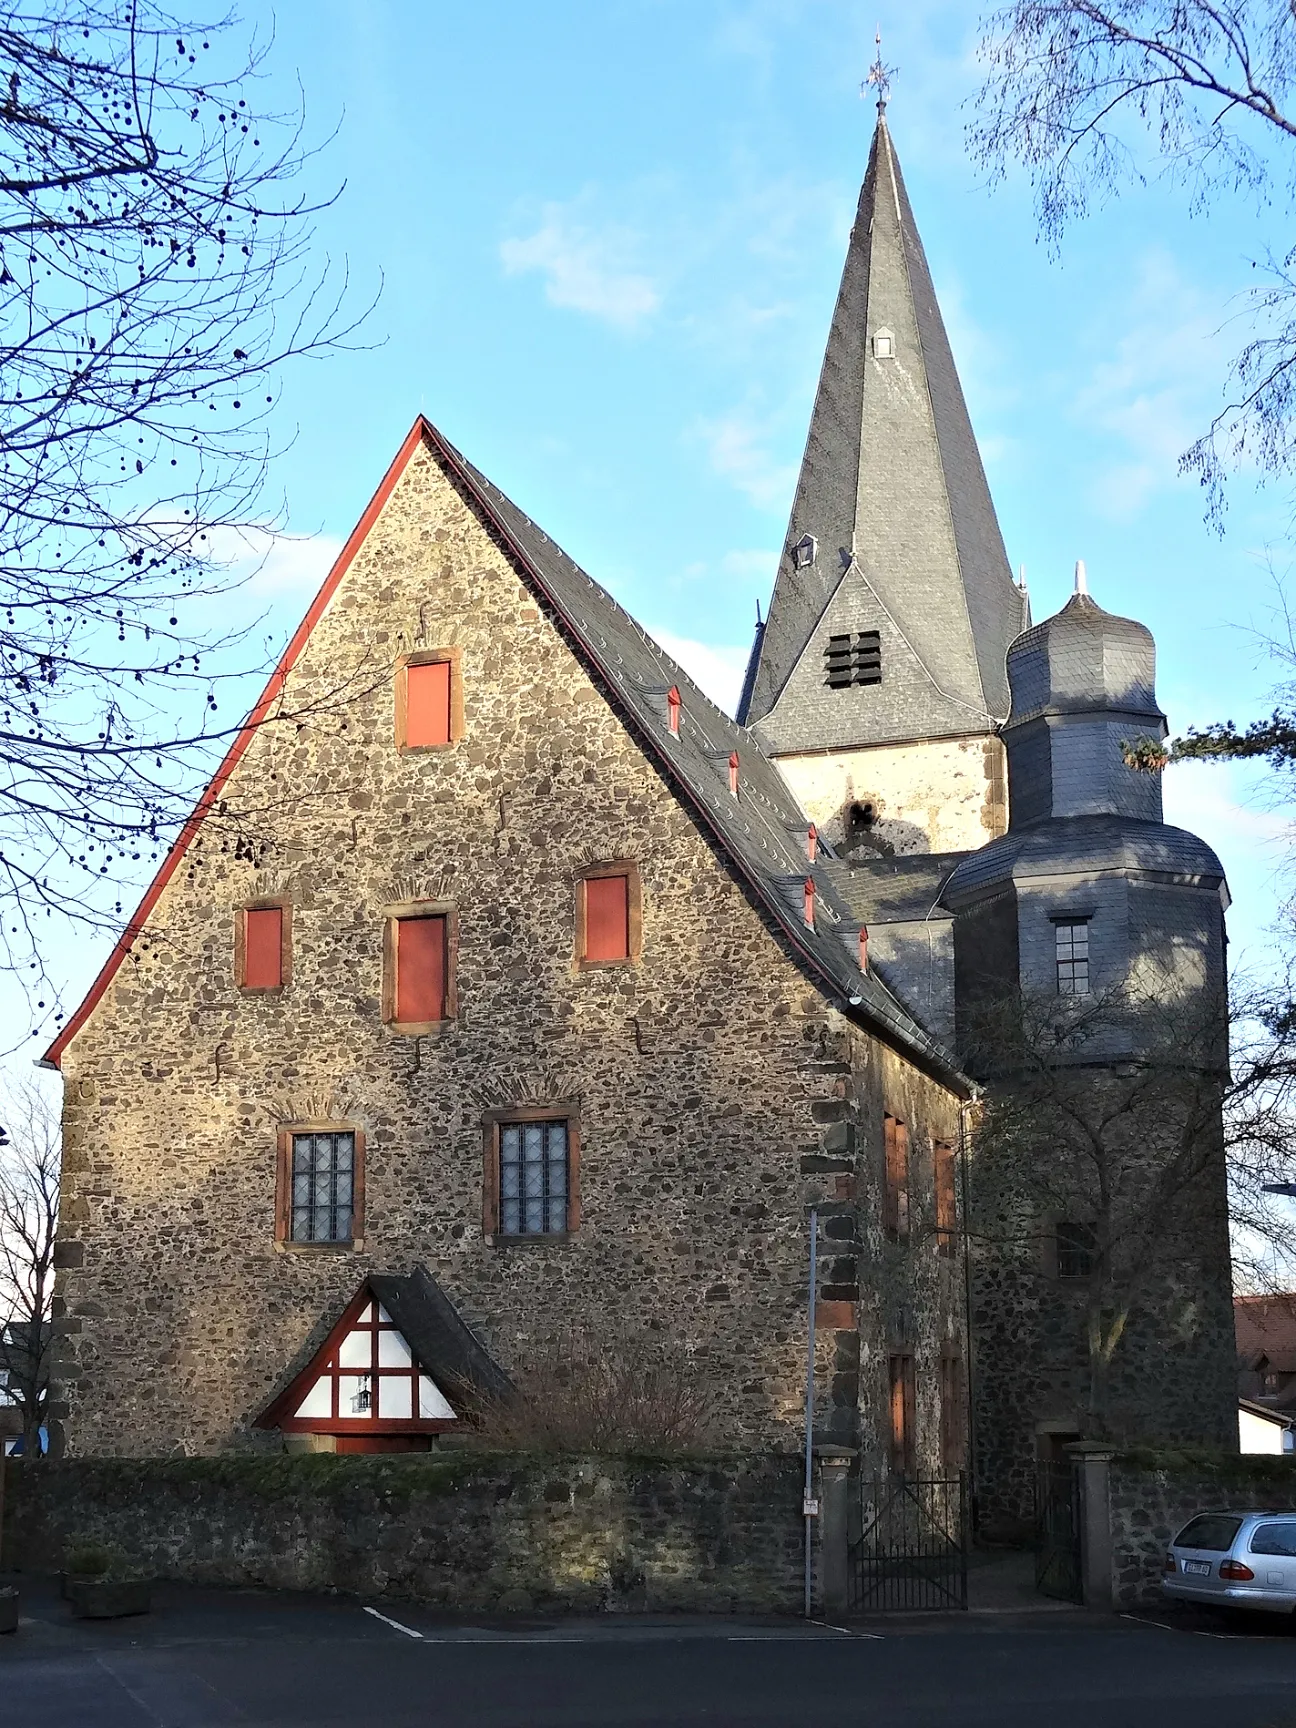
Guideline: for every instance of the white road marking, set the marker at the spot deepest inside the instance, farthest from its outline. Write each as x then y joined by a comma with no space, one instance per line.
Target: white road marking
1198,1632
646,1635
387,1621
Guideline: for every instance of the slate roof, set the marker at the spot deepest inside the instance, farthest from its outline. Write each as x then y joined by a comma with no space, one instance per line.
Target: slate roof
433,1328
1085,659
894,890
761,834
892,477
1086,845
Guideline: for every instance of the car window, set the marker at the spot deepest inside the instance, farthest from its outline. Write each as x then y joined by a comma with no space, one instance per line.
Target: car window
1274,1538
1215,1531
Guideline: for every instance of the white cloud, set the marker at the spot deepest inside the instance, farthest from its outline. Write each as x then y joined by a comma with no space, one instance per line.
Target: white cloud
586,269
1151,390
736,444
757,566
717,668
272,562
1199,799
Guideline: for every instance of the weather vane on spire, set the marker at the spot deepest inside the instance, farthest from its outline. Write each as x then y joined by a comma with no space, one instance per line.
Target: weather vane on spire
880,75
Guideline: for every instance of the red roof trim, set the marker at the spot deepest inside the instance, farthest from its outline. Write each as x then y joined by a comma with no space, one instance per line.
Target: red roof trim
418,435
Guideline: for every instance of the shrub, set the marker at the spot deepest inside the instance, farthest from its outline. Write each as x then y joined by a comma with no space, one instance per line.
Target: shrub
621,1392
89,1560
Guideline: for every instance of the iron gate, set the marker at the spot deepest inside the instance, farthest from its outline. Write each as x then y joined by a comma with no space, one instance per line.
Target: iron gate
1057,1532
913,1544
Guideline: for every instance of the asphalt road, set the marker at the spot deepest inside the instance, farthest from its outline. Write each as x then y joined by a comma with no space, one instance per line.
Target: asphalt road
205,1660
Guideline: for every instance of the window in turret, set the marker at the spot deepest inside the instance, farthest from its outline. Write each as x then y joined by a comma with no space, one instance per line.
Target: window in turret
1072,937
853,658
1076,1249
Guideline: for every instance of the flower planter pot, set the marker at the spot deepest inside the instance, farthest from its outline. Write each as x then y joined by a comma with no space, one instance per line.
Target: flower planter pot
108,1598
8,1610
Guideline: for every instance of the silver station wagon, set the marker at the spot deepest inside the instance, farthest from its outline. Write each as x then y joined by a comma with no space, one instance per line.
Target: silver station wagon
1235,1560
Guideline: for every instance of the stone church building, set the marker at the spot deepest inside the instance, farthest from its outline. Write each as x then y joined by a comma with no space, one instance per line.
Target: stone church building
501,988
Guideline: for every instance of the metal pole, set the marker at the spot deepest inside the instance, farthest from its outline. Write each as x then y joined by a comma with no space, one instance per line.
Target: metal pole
807,1501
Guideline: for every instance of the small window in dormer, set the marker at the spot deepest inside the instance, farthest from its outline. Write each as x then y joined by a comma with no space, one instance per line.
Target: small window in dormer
883,345
805,552
673,705
733,774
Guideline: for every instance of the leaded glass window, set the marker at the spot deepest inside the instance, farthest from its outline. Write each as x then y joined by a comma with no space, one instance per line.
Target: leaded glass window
1077,1250
1072,958
533,1176
323,1187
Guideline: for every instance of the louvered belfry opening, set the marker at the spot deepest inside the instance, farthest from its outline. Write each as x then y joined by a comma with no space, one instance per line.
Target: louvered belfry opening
853,657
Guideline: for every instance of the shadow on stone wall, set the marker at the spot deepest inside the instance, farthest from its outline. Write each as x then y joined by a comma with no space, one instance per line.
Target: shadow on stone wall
465,1531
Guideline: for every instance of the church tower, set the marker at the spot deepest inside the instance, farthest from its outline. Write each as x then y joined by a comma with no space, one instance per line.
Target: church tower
879,676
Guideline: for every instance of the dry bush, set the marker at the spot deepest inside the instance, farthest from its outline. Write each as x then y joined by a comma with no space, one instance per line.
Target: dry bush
619,1392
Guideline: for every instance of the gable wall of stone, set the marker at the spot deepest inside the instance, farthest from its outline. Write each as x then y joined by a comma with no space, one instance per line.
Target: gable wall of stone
701,1077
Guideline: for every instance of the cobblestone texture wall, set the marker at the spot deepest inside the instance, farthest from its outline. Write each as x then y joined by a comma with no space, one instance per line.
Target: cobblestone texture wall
1150,1504
580,1534
705,1077
1172,1378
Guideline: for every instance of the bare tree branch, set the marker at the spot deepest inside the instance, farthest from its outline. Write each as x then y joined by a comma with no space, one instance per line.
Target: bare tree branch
1090,97
30,1163
155,277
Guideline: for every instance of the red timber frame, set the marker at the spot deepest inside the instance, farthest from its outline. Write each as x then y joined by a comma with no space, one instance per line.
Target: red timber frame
324,1365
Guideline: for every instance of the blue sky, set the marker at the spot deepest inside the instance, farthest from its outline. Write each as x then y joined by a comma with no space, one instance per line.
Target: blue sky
609,238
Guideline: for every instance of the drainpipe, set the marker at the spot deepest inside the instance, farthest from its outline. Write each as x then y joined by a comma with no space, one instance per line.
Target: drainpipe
809,1508
965,1110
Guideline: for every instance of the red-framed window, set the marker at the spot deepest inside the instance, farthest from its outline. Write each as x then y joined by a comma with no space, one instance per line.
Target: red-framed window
429,699
263,945
903,1407
945,1172
895,1198
609,919
418,969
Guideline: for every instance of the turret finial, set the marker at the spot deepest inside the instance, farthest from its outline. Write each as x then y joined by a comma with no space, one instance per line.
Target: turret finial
879,75
1081,580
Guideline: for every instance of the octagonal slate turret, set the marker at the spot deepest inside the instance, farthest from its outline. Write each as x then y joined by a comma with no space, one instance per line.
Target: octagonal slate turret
1086,844
1083,684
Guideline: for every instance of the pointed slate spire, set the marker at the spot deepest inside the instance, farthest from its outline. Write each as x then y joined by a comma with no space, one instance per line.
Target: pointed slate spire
892,527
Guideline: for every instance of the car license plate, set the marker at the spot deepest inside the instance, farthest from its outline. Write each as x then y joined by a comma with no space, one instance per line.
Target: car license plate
1197,1568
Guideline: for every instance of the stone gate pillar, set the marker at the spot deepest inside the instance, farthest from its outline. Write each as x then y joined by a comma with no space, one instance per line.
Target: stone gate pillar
834,1526
1091,1461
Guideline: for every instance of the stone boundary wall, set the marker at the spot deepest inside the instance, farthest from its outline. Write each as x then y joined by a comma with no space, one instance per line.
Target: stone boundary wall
1154,1495
475,1533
